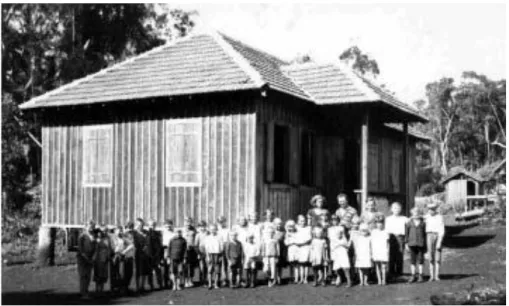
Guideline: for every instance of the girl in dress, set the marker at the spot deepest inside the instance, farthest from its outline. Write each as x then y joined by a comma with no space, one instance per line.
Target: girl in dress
362,247
339,246
303,241
292,249
101,260
318,255
380,245
251,253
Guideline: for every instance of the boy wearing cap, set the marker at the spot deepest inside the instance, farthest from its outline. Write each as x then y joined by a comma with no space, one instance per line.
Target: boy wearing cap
435,230
168,234
395,225
415,239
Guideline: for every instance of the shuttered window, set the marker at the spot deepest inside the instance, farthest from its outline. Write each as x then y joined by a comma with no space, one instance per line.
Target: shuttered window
183,152
97,155
396,169
373,166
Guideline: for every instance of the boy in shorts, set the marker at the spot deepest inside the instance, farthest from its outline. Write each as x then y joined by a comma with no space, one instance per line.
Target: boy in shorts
234,255
177,253
214,250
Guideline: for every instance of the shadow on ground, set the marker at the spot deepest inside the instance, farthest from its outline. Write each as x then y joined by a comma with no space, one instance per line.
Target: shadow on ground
465,242
50,297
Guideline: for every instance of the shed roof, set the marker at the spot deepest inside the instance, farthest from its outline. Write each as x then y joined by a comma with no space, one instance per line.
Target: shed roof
457,171
411,131
214,62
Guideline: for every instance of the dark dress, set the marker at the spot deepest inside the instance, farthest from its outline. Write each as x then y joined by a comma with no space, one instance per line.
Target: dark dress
141,258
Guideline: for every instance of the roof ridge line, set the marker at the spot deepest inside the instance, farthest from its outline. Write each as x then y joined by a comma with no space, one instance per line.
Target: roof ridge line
285,72
107,69
238,58
358,81
272,56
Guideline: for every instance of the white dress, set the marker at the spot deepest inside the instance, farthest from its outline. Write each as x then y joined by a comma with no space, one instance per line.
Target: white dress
380,245
292,248
318,252
339,253
304,237
362,247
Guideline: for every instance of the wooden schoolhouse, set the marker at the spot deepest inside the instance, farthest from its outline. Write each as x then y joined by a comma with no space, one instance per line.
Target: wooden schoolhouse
208,126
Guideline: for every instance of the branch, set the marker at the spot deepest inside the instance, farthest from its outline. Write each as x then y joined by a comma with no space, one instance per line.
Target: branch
496,143
37,142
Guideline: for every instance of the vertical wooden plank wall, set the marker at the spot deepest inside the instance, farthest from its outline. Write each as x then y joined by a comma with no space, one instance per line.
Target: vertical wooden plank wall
138,182
287,200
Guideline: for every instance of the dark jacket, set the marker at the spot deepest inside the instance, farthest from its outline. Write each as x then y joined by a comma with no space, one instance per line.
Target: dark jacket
415,235
233,250
155,244
177,248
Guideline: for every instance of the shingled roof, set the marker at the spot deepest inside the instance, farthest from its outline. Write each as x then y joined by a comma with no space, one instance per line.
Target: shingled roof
214,62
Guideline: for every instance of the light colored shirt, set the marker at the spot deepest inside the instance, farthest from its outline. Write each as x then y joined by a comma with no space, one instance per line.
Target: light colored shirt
255,229
223,234
200,240
213,244
251,250
242,233
435,224
167,236
396,225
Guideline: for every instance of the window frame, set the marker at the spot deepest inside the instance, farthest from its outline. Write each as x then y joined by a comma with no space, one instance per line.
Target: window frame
86,172
199,134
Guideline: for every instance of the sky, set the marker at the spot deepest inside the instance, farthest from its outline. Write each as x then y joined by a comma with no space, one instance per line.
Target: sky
414,44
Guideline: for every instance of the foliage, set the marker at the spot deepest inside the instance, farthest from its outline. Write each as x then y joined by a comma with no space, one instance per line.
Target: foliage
467,125
301,59
47,45
360,62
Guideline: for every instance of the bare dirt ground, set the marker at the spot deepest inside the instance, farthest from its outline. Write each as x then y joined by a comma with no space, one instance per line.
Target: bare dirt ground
476,257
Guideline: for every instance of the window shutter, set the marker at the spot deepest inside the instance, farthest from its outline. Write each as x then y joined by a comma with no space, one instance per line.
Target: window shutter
269,153
319,161
294,155
373,166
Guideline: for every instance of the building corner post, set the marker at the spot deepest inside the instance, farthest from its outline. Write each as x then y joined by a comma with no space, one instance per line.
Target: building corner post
364,159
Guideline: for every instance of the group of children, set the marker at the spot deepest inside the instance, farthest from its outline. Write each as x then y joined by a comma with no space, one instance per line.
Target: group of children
340,246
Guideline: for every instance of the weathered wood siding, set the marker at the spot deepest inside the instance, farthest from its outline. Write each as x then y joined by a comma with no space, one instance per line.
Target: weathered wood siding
287,200
138,186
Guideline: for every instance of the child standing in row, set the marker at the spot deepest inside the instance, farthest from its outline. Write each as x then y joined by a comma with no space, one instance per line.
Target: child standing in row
380,248
177,250
415,239
279,236
101,260
292,249
318,256
303,240
270,253
363,253
234,255
201,235
251,253
340,245
214,249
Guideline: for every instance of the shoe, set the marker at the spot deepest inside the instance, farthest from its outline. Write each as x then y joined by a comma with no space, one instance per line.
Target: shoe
420,279
315,284
431,279
348,285
412,279
437,278
210,287
324,284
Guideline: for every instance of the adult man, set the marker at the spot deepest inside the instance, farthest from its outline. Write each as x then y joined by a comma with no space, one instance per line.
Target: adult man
155,253
86,249
345,212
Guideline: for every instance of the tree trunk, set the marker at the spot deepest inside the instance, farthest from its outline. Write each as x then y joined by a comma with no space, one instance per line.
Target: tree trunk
46,247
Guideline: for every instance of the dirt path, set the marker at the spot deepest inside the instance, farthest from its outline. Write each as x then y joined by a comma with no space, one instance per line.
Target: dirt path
477,256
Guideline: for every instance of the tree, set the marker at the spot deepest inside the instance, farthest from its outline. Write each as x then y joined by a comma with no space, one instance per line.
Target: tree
47,45
360,62
301,59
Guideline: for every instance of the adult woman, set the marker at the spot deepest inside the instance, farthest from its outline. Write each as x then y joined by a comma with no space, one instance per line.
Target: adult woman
317,212
370,213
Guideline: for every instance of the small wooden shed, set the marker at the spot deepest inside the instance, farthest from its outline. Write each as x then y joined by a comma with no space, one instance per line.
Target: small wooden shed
462,187
208,126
